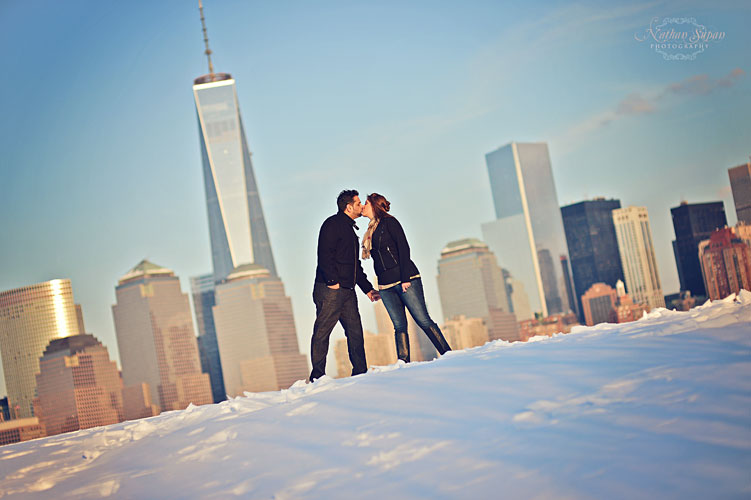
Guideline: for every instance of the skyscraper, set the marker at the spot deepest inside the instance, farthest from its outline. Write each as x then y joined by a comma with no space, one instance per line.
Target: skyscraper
592,244
471,284
237,228
527,235
202,288
740,183
30,317
726,263
255,332
78,385
637,252
156,339
694,223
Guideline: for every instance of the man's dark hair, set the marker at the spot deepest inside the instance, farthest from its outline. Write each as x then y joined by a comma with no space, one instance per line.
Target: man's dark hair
345,198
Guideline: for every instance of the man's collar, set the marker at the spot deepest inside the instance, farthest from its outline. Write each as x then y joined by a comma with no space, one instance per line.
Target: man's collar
350,219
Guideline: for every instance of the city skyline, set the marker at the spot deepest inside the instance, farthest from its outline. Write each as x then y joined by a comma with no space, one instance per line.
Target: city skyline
80,158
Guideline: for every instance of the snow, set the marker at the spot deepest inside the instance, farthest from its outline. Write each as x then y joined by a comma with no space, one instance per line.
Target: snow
658,408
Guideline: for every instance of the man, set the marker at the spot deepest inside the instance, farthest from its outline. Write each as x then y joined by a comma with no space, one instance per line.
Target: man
338,271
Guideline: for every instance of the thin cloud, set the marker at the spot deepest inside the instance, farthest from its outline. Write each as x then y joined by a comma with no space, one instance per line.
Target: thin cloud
702,84
636,103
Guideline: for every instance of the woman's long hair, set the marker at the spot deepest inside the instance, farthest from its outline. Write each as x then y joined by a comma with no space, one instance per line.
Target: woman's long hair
380,205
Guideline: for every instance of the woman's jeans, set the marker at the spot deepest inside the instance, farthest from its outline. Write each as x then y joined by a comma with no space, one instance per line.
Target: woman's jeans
414,300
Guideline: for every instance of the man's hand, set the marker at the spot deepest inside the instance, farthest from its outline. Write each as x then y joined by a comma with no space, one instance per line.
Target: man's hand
405,286
374,296
334,287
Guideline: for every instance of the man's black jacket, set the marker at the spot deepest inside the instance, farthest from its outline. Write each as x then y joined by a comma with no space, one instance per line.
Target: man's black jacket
390,252
339,254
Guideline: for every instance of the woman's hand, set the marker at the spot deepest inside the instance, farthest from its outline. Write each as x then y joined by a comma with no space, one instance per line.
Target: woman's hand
405,286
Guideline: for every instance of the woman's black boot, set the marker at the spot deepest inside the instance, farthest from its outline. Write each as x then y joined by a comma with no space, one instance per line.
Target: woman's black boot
402,346
438,340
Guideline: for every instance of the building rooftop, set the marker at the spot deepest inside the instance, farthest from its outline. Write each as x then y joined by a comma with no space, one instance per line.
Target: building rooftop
72,344
461,245
212,77
143,269
248,271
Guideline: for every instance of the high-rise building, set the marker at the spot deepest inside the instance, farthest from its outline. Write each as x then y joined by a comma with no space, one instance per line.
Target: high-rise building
30,317
471,284
237,228
255,332
202,288
726,263
463,333
527,235
740,183
637,252
592,245
694,223
78,386
598,304
156,339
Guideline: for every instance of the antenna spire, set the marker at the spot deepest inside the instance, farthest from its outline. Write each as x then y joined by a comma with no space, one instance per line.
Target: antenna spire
206,39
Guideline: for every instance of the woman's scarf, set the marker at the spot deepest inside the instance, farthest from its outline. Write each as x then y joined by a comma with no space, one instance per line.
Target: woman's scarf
367,239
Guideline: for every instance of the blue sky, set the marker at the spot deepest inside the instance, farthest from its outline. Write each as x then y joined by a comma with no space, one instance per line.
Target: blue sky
101,163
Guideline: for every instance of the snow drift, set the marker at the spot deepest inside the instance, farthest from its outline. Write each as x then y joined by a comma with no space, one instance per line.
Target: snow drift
657,408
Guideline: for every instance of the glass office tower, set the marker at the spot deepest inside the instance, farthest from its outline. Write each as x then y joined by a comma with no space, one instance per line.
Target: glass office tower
204,299
31,317
236,224
527,236
592,245
694,223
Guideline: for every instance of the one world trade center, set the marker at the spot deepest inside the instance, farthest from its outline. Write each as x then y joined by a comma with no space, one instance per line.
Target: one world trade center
236,224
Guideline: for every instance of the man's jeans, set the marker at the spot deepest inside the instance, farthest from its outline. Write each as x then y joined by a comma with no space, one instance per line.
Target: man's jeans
332,306
414,299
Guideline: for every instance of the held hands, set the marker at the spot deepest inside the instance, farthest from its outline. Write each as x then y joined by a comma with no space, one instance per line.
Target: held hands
405,286
374,296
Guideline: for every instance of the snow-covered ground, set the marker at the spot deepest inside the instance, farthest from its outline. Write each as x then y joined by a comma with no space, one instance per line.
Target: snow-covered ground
659,408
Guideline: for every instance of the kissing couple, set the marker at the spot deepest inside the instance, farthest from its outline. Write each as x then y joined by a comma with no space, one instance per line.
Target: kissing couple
339,270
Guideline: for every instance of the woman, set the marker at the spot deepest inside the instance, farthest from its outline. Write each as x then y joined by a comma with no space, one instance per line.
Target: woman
399,280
